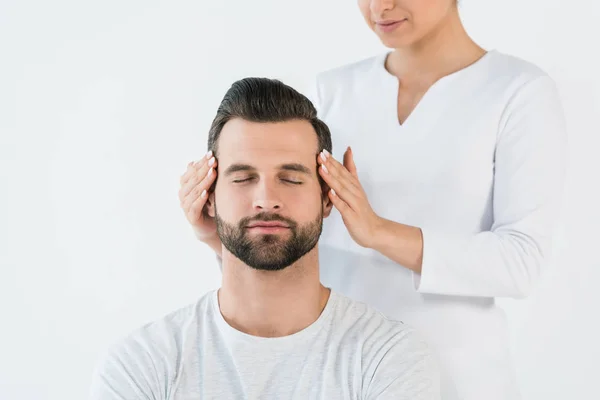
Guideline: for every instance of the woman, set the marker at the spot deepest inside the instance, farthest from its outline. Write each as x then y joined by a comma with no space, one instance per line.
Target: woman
461,163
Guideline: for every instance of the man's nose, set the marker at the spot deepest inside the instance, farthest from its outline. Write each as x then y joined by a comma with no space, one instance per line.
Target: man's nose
266,198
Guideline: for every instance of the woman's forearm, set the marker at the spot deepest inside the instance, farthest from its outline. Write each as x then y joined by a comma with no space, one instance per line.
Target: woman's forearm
214,243
401,243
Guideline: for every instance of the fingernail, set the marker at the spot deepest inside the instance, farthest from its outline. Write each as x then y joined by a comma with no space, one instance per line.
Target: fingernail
210,171
324,169
211,162
326,153
333,192
203,194
209,154
323,157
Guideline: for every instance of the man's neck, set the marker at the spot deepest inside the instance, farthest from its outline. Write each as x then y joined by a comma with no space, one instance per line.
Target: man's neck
446,50
272,303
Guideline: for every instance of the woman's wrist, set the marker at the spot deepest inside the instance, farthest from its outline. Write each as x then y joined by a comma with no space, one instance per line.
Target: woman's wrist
400,243
212,241
216,245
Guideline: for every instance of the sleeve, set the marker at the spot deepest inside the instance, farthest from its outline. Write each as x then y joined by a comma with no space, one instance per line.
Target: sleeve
409,370
529,174
312,91
128,371
219,263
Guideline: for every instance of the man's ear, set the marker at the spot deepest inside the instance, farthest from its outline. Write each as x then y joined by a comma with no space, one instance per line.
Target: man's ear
327,203
210,205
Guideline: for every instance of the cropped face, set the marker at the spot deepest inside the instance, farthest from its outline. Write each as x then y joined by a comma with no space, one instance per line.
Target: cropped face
268,201
402,23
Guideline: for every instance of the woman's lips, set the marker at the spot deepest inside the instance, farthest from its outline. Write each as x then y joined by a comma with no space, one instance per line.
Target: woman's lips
388,26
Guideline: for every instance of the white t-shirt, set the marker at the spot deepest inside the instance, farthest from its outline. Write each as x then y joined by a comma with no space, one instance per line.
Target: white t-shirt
479,166
350,352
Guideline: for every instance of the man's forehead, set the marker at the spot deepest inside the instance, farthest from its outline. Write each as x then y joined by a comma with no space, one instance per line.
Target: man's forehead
239,137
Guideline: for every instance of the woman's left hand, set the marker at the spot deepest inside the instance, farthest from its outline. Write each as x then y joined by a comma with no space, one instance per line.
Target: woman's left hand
349,197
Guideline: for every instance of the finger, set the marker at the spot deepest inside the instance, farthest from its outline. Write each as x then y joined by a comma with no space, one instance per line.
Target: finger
196,178
339,171
203,167
199,189
349,162
340,204
196,209
347,182
347,194
193,167
189,172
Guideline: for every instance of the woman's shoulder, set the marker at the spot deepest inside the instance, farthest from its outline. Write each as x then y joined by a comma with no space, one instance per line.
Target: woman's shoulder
499,64
497,72
344,80
353,70
513,69
513,81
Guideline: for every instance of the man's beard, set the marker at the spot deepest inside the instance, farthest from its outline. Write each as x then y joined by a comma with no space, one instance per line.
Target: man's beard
269,252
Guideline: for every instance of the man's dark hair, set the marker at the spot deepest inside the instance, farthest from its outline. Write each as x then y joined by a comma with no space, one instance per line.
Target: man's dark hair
266,100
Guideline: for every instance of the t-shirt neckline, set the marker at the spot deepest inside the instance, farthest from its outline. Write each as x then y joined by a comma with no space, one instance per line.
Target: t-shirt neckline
236,335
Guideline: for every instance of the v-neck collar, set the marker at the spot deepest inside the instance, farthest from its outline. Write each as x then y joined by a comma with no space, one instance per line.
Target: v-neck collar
430,101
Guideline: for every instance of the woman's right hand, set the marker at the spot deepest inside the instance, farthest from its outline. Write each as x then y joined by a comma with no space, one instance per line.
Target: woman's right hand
193,194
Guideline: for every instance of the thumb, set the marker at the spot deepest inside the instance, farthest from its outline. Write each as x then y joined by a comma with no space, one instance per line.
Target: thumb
349,162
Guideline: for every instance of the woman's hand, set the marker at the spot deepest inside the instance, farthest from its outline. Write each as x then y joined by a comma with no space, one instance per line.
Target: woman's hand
193,193
348,196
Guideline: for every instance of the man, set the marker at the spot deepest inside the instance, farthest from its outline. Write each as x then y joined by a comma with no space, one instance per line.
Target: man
272,331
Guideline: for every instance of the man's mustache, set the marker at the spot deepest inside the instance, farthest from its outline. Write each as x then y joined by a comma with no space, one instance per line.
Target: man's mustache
268,217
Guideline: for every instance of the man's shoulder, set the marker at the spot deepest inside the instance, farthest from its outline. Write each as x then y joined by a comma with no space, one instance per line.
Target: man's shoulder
145,361
176,321
371,323
162,337
396,359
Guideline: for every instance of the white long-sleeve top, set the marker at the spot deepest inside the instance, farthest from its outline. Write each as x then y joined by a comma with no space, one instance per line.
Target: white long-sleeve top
479,166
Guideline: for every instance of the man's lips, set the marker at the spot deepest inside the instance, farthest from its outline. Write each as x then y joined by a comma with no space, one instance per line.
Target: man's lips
270,227
268,224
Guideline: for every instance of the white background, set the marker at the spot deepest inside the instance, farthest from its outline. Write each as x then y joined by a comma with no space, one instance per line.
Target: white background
102,105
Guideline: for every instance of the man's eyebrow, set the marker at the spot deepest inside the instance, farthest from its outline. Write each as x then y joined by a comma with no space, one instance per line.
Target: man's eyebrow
238,167
296,167
233,168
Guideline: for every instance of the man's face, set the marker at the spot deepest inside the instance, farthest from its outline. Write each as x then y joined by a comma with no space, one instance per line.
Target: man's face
268,201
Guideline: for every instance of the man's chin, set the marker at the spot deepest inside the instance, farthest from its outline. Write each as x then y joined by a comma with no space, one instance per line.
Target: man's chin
271,267
269,258
267,240
275,234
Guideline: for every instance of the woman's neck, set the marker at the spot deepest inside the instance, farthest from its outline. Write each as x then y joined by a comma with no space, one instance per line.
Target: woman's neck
447,49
